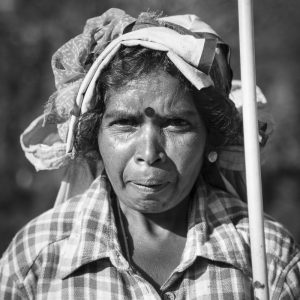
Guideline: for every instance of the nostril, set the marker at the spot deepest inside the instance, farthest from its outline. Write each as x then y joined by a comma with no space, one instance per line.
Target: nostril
139,159
150,158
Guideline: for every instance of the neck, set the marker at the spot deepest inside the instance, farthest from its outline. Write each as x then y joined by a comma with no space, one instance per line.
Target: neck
153,243
156,225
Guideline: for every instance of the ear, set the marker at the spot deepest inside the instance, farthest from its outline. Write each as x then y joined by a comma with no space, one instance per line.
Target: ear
211,174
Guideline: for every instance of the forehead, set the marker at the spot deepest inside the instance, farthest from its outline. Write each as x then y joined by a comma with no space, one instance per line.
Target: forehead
158,90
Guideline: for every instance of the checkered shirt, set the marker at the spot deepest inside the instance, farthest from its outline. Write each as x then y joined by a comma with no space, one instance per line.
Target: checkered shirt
72,252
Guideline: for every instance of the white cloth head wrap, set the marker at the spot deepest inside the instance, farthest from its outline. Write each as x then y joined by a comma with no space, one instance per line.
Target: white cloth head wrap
189,43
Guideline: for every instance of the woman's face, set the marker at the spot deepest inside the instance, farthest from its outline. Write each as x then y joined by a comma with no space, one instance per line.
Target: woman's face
152,141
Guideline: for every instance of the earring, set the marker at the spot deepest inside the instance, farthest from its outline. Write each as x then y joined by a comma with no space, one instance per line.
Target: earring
162,156
212,156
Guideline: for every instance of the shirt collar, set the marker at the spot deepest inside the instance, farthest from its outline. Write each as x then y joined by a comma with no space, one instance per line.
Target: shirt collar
213,220
211,232
94,235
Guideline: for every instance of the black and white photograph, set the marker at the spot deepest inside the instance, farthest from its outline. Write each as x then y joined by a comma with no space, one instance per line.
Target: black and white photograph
150,150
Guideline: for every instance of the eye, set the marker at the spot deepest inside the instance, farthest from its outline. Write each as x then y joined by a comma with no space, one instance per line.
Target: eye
177,124
124,122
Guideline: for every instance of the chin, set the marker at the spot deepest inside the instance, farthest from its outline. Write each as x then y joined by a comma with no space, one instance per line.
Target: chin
150,207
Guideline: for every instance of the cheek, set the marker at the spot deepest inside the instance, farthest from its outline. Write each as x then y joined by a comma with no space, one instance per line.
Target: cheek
114,155
187,153
108,153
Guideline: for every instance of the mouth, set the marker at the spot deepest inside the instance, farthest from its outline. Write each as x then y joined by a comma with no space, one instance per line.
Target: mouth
150,187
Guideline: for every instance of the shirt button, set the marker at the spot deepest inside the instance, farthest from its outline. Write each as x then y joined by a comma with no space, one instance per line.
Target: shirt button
169,296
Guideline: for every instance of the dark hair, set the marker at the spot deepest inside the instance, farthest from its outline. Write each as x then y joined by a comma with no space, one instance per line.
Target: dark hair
218,112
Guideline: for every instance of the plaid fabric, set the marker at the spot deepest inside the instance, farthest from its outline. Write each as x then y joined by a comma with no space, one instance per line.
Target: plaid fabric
72,252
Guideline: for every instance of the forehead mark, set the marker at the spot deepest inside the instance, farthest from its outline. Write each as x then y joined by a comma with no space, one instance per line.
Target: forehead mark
149,112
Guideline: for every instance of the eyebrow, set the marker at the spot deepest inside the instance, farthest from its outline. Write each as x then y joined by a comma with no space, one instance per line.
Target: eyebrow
119,114
185,112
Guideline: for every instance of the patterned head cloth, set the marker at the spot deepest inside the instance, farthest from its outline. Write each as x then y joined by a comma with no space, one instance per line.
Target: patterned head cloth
189,43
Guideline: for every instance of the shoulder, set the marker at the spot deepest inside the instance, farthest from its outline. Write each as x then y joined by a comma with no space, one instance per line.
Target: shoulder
282,251
47,229
280,244
41,250
230,208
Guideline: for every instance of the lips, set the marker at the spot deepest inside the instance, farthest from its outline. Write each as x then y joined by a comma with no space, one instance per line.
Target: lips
150,186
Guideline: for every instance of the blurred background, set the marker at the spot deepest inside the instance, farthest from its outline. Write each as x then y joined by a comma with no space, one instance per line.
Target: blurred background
32,30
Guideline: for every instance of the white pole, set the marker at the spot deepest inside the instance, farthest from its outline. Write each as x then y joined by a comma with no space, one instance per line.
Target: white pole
252,152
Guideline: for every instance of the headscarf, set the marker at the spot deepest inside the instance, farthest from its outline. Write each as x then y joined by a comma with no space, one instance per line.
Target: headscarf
189,43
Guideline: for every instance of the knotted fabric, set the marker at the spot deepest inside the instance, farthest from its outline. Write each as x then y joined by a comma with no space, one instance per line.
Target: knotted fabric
189,43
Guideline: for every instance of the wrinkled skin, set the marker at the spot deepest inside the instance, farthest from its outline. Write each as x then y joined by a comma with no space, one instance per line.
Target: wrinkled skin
152,160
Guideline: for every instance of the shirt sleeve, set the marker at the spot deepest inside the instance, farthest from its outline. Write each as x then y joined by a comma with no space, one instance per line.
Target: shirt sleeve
283,262
290,288
10,289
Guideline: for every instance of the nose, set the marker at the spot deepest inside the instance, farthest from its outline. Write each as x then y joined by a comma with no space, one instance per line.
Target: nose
149,147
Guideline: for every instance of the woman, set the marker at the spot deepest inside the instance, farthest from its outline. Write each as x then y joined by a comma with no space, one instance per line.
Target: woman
153,127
